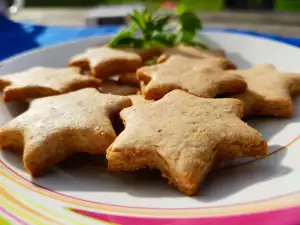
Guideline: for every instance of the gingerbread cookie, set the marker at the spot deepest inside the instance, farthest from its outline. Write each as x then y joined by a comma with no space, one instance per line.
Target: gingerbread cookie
129,79
148,53
138,99
55,127
41,81
113,87
201,77
182,135
104,61
269,91
191,52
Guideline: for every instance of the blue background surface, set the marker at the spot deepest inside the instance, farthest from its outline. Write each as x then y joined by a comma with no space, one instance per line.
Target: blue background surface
19,37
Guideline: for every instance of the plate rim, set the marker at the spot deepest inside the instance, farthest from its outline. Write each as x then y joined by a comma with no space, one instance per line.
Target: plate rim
103,37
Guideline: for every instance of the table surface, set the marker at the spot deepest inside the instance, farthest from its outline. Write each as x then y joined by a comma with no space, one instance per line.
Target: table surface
277,23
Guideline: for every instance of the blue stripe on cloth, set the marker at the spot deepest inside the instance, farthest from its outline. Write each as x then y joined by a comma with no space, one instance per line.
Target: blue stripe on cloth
19,37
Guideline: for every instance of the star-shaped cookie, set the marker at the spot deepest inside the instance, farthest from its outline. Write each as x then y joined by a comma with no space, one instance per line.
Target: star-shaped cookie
112,87
148,53
129,79
41,81
55,127
138,100
182,135
201,77
189,51
269,91
104,61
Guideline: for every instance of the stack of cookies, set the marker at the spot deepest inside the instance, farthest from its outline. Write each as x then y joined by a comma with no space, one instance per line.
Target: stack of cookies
182,115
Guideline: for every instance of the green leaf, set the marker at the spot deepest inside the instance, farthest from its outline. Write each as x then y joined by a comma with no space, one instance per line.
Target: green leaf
196,42
160,22
156,44
126,38
146,15
138,20
189,22
154,30
188,27
164,37
127,42
185,36
181,8
120,37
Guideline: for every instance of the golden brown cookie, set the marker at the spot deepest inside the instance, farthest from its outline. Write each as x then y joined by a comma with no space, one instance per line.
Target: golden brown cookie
149,53
201,77
104,61
138,99
55,127
269,91
112,87
181,135
191,52
145,53
41,81
129,79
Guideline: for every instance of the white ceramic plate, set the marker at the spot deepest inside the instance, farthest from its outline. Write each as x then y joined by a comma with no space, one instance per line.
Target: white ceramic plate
236,194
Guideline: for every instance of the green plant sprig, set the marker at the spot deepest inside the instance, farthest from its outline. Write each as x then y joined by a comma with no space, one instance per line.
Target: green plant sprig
147,30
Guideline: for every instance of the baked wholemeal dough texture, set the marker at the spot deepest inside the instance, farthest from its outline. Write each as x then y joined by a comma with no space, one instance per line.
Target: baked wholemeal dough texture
112,87
191,52
104,61
129,79
269,91
55,127
201,77
41,82
182,135
147,53
138,99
